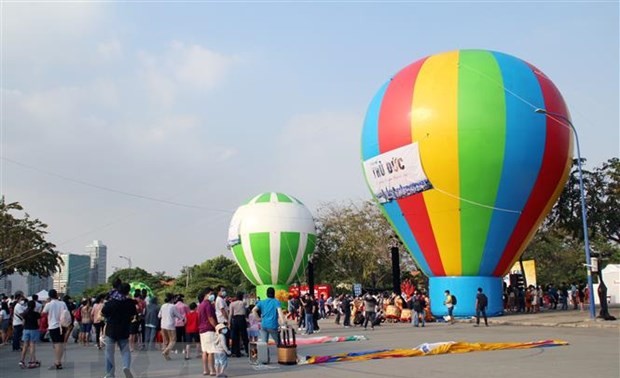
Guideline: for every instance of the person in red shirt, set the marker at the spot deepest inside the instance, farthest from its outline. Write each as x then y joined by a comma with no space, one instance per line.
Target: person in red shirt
191,330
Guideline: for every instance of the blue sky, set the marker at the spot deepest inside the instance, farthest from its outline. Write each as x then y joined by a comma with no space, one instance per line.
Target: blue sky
208,104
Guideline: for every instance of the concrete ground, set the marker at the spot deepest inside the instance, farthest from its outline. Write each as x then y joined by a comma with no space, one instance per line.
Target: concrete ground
593,350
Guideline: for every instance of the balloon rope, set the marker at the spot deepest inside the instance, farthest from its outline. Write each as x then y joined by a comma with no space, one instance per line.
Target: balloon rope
476,203
499,84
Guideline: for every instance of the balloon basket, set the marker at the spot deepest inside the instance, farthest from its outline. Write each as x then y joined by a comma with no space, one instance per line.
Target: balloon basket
465,288
287,349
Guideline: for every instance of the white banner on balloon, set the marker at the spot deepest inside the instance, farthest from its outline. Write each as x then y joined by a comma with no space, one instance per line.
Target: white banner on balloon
396,174
233,232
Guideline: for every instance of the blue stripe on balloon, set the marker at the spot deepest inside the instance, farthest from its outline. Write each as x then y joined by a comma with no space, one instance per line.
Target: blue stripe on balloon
370,132
398,221
523,154
370,149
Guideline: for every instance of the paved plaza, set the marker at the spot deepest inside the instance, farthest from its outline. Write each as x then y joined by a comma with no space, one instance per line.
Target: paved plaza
593,350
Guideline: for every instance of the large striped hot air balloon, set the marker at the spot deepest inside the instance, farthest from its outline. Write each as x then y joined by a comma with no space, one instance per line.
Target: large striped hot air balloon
464,168
271,237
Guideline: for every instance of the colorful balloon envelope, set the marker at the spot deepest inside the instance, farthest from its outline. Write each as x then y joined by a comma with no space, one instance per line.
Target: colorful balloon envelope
464,168
271,238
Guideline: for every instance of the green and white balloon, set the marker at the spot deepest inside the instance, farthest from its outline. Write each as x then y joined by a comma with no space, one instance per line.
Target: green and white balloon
133,286
272,237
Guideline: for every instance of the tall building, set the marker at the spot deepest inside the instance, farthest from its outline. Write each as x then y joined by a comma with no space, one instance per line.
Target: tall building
74,274
13,283
98,253
36,284
5,286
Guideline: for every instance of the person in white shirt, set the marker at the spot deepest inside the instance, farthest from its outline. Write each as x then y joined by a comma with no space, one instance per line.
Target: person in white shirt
18,321
54,310
168,315
221,307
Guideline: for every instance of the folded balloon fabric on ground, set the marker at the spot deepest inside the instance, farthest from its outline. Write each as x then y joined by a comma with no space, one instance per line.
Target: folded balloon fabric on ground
325,339
429,349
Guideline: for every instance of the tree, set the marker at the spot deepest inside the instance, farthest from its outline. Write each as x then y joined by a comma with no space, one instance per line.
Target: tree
604,201
135,275
559,257
602,192
93,292
558,246
216,272
353,246
23,248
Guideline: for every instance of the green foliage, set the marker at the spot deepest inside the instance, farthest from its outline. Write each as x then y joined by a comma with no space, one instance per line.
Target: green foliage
23,248
559,258
558,246
353,246
216,272
136,274
97,290
602,192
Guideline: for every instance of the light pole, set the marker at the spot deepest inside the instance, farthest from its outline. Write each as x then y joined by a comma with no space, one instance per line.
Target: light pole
128,260
583,207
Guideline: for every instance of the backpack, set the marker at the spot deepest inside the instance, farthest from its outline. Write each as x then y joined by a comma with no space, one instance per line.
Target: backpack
417,305
453,300
483,301
77,314
65,318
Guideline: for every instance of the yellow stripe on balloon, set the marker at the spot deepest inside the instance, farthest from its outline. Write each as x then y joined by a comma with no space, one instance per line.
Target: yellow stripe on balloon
434,126
548,206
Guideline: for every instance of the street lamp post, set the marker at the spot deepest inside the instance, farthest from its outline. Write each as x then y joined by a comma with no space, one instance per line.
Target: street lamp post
583,207
128,260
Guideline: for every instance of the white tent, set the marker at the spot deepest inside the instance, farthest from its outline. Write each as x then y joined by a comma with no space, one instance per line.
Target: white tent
43,295
611,276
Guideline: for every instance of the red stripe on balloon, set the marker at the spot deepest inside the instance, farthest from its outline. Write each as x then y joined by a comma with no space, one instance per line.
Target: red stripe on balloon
557,145
416,215
394,132
394,116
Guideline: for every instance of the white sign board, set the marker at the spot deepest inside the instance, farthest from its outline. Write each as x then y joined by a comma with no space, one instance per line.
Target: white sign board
357,289
396,174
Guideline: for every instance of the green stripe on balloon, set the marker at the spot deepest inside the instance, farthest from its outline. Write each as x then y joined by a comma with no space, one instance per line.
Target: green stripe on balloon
265,197
289,245
261,253
481,140
283,198
243,263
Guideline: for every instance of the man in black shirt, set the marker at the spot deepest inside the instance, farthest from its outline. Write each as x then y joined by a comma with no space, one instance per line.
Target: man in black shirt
118,314
481,307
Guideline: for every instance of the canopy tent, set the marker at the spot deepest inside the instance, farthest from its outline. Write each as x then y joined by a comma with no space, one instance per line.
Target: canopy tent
43,295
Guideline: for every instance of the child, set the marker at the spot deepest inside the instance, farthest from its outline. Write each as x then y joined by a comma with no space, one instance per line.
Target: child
191,330
221,350
253,325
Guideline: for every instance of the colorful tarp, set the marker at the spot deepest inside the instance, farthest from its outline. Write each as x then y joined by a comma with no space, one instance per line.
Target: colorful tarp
325,339
429,349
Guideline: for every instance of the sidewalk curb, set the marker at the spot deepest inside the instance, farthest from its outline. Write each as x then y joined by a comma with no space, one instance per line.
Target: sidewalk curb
578,324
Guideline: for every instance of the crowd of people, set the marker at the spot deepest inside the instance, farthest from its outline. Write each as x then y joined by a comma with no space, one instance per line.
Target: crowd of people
216,325
368,310
538,298
212,328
